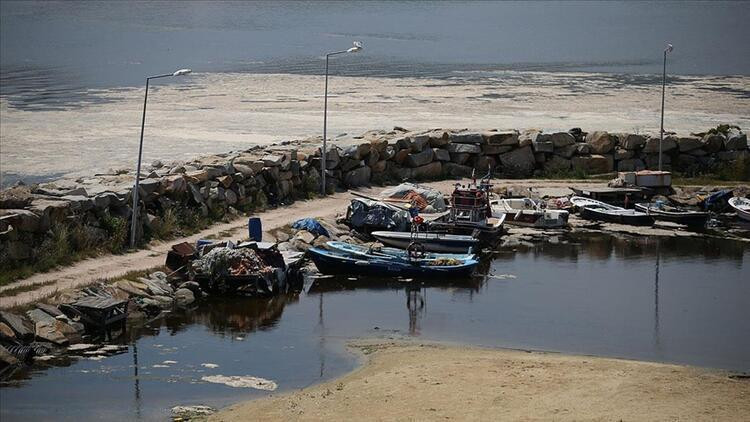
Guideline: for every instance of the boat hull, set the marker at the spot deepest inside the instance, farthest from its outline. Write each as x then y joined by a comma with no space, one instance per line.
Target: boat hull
614,216
739,206
331,263
688,218
432,242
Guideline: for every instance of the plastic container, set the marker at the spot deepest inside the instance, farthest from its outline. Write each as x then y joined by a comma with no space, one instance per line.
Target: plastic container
255,229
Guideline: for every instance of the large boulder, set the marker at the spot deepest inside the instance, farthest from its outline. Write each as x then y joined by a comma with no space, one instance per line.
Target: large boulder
439,138
22,327
594,164
623,154
528,137
429,171
518,163
460,158
419,142
357,177
467,138
489,149
420,158
464,148
735,140
556,164
506,137
630,164
600,142
22,220
713,142
632,141
566,151
456,170
184,297
688,143
652,145
541,143
442,155
561,139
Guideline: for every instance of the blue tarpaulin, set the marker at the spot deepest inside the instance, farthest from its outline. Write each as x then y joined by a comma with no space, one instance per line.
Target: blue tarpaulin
311,225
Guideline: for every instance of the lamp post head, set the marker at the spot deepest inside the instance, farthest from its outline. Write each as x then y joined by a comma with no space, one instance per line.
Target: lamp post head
356,48
182,72
669,48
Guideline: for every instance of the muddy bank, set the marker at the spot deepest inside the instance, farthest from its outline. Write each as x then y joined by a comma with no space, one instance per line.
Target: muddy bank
404,380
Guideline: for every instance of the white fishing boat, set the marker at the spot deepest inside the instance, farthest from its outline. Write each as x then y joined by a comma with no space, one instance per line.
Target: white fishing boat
591,209
528,212
741,206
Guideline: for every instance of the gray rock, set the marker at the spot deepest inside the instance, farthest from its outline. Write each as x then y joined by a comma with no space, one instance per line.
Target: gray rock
380,166
23,220
420,158
456,170
542,144
419,142
567,151
713,143
623,154
442,155
467,138
460,158
506,138
39,316
439,138
735,140
489,149
700,152
652,145
556,163
528,137
600,142
688,143
731,155
82,203
562,139
464,148
348,164
272,160
518,163
429,171
686,161
183,297
630,164
594,164
357,177
632,141
192,286
23,328
7,358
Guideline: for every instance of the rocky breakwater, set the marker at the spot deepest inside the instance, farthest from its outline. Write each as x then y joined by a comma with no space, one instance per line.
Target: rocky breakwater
52,223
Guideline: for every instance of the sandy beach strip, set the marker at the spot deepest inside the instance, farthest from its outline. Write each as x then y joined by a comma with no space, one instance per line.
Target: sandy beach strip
405,380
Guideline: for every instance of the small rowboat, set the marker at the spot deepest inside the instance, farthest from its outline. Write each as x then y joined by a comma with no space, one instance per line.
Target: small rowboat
432,242
389,253
335,262
596,210
741,206
661,211
528,212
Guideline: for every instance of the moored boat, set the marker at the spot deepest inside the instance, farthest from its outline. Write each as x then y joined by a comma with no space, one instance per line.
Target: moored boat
665,212
385,252
528,212
741,206
591,209
432,242
334,262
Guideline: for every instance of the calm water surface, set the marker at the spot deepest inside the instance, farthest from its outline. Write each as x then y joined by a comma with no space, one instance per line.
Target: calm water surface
673,300
52,53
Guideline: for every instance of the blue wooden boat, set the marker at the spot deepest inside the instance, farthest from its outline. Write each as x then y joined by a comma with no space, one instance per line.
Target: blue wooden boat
336,262
390,253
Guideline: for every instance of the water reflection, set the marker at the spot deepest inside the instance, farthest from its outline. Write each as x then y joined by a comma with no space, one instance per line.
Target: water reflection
672,299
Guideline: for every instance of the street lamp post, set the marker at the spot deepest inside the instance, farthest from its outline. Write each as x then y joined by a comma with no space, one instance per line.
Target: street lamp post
663,89
134,218
357,47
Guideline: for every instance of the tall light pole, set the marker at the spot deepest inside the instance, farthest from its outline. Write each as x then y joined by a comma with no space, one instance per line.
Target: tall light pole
134,218
663,89
357,47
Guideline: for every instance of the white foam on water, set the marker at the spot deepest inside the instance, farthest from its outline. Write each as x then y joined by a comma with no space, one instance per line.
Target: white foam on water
246,381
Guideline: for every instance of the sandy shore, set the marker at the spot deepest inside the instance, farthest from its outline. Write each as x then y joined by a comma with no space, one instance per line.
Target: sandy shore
419,381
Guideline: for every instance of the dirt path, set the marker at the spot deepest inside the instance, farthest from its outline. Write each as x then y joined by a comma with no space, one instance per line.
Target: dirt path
412,381
112,266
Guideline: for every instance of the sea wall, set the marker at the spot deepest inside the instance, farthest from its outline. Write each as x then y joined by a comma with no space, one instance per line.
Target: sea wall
52,223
